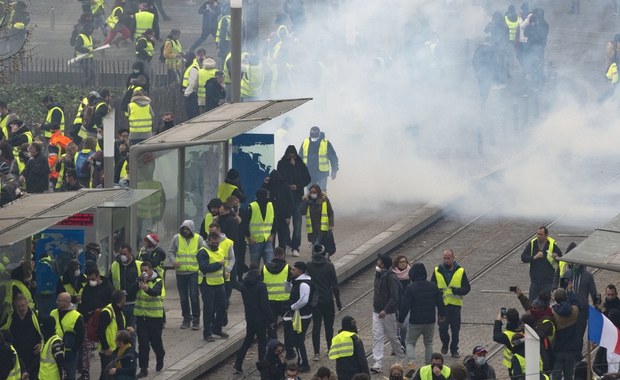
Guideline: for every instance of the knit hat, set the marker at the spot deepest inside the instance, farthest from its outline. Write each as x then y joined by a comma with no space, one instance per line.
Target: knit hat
318,249
153,238
386,260
349,324
301,266
232,174
208,63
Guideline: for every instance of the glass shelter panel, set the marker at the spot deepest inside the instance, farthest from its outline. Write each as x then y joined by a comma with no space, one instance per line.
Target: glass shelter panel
205,167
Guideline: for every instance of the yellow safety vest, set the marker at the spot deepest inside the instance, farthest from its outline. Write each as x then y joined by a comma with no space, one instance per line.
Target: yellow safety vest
95,5
219,35
203,76
123,173
426,372
208,221
144,21
112,19
67,324
3,127
48,368
28,135
217,277
78,116
149,47
612,73
512,28
149,306
186,254
276,284
140,118
508,354
33,316
342,345
23,289
111,329
252,81
87,42
324,219
115,272
177,49
195,65
71,290
550,258
323,156
16,372
450,298
48,120
227,76
260,228
225,190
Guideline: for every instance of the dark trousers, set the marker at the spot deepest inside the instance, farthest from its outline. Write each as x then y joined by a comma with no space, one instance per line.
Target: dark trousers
187,284
214,308
452,322
279,308
296,235
284,236
105,361
536,288
206,32
325,313
298,340
253,329
71,361
563,365
582,323
191,106
149,335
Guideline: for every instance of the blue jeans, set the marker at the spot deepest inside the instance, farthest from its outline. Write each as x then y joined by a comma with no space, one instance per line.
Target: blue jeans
214,303
262,250
187,284
296,237
320,179
413,335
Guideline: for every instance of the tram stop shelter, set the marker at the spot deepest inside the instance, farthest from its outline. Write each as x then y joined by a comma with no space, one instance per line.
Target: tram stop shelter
600,250
186,164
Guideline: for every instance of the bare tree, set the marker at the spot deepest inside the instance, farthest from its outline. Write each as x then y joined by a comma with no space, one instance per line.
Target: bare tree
14,36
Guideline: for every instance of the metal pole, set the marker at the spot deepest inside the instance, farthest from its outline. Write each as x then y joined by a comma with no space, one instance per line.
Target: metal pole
52,18
108,149
235,56
532,354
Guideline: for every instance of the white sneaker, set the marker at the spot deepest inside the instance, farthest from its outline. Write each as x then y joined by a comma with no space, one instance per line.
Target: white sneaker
295,252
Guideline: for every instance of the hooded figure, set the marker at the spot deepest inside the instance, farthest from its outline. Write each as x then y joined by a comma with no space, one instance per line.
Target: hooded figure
347,366
140,115
513,339
274,365
282,199
421,300
231,186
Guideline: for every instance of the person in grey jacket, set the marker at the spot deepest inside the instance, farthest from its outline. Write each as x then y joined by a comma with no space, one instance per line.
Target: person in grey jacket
385,304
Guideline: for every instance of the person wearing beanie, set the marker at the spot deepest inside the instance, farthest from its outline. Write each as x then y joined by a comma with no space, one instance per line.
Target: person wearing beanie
231,186
452,280
513,339
52,352
213,211
434,371
302,300
325,283
347,349
260,227
206,72
385,304
153,253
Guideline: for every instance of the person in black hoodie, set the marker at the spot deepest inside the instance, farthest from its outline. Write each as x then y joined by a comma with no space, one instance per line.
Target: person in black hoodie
274,364
215,91
513,338
282,198
325,282
421,299
565,350
294,172
37,170
258,315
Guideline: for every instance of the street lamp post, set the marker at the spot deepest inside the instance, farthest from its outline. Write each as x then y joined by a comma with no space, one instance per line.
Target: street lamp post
235,51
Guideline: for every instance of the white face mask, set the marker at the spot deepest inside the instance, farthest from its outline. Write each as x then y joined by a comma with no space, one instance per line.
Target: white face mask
92,283
123,258
313,195
314,139
77,272
379,270
99,136
481,360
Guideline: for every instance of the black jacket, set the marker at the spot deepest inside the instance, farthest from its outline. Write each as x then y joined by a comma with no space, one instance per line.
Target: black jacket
294,174
214,92
348,366
386,292
255,301
280,194
272,368
229,226
128,278
324,280
541,272
37,172
95,297
474,372
420,299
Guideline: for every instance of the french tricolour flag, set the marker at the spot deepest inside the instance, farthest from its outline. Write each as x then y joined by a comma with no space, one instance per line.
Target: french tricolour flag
602,332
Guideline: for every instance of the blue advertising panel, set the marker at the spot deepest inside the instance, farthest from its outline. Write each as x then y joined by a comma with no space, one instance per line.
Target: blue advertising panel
253,158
